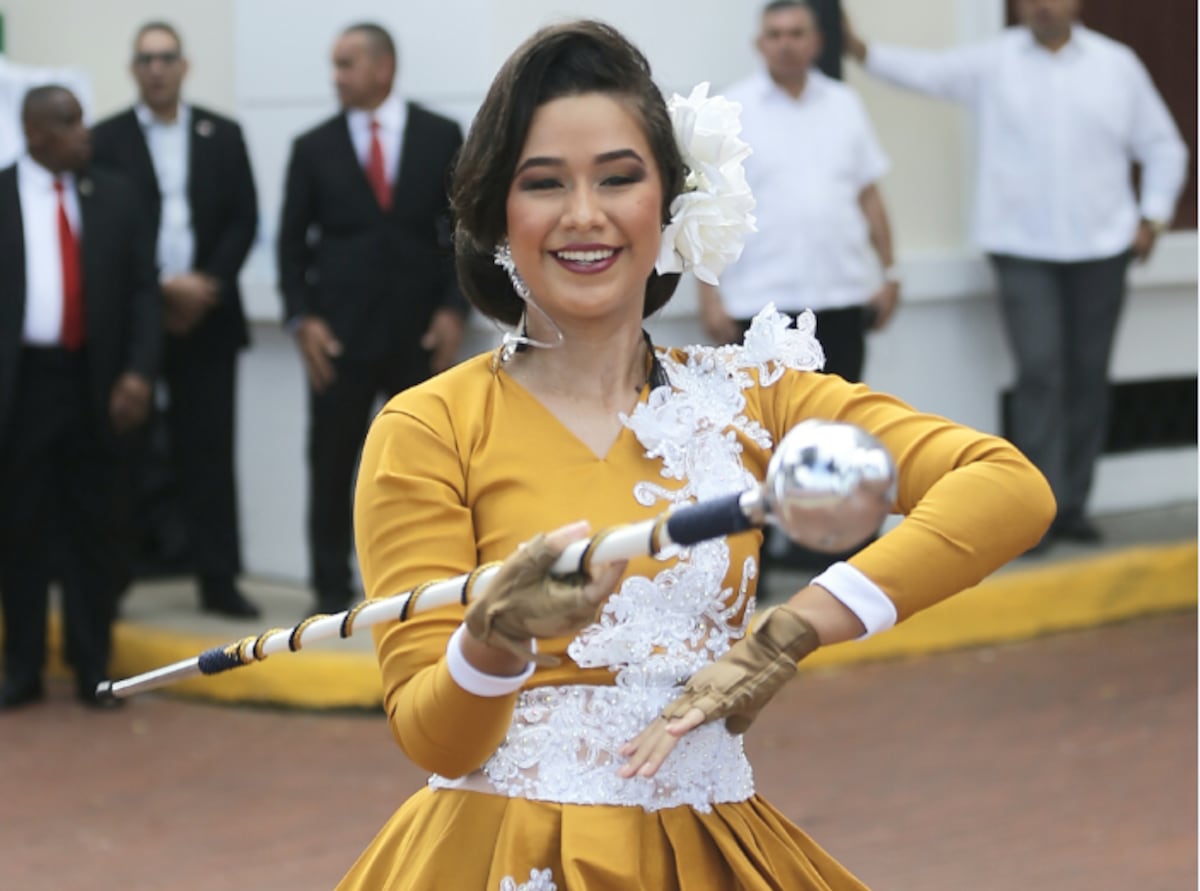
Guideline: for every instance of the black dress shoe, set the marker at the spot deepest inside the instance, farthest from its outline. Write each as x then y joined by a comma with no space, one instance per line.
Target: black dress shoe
1078,528
1042,547
14,694
85,692
227,600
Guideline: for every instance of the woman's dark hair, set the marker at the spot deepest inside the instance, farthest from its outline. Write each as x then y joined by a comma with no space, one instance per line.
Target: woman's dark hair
561,60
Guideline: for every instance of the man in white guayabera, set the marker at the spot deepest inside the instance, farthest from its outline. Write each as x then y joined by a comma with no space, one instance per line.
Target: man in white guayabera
1061,114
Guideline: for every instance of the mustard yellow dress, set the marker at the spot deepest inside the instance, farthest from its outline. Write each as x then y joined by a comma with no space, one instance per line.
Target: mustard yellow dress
523,794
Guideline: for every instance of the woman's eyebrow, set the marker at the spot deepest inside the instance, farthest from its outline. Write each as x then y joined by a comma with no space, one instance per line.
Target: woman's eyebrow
602,158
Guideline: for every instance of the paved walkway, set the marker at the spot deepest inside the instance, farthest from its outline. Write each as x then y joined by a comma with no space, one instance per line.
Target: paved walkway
1065,763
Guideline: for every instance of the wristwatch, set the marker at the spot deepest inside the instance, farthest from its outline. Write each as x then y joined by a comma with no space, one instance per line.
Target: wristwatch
891,275
1158,227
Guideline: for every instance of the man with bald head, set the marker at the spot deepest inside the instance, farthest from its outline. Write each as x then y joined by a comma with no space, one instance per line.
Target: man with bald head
1062,113
367,275
193,180
79,348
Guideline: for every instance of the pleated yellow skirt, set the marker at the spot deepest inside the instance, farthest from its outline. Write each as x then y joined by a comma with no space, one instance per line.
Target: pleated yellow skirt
471,841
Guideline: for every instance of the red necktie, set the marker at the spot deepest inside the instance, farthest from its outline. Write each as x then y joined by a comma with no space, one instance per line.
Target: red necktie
376,172
72,312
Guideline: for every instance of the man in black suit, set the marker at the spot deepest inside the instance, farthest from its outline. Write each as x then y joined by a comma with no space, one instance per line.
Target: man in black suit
79,348
367,275
193,182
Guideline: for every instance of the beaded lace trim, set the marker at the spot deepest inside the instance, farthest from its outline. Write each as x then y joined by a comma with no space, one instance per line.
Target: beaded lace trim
539,880
654,633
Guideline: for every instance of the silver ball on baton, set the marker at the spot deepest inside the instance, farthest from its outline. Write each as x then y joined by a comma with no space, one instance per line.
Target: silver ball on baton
829,486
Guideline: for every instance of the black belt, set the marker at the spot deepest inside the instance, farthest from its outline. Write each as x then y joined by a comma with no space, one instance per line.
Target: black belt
50,357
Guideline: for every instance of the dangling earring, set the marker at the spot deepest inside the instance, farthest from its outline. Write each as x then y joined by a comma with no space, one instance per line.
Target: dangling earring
516,340
504,259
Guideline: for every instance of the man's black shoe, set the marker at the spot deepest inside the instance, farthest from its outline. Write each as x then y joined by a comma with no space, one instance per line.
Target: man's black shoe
227,600
14,694
1078,528
85,692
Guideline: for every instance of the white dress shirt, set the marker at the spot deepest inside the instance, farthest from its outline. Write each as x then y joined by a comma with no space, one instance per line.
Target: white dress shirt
1057,133
170,146
392,116
812,157
43,254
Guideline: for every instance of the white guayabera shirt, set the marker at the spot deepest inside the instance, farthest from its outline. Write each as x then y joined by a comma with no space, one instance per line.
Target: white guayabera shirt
1056,133
812,157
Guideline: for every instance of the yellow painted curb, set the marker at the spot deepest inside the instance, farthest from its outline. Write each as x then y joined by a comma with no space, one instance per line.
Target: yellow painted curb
1015,604
308,679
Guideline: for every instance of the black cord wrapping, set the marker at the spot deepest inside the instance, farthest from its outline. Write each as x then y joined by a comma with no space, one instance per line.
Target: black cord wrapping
658,375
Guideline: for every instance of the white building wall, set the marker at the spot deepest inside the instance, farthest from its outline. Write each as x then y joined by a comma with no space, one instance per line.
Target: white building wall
266,62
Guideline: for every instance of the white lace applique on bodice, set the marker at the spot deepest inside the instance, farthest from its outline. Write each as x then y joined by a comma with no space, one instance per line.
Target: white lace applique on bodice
539,880
654,633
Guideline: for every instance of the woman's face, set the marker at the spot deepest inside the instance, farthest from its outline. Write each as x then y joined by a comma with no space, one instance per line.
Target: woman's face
585,209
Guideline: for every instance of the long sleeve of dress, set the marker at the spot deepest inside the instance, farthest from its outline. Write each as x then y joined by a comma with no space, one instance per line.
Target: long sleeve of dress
971,502
412,525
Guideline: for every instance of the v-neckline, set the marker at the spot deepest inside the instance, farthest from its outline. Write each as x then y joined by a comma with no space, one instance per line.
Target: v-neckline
624,430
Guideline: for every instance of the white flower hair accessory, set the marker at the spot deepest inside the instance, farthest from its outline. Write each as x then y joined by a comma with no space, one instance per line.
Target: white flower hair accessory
711,218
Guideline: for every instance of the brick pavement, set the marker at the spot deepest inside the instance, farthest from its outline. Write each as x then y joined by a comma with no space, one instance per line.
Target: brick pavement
1066,763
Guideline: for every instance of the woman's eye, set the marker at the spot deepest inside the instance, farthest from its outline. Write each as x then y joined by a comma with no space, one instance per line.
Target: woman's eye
538,185
623,179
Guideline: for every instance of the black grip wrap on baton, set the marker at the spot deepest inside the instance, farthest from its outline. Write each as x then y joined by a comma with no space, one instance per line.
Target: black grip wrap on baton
219,659
712,519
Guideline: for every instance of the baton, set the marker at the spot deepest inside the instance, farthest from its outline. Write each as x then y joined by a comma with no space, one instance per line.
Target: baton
829,486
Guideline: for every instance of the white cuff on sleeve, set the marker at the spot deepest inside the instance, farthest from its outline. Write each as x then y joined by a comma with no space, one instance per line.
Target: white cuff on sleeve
475,681
860,595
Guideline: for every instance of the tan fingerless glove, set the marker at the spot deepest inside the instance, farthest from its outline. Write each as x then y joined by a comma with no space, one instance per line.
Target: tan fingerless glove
524,601
741,682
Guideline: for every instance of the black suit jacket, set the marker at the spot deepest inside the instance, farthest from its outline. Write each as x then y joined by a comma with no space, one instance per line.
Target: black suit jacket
122,318
376,278
223,203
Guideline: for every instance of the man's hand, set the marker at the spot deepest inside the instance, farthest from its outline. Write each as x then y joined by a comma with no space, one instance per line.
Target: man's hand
884,301
187,299
443,339
851,42
129,402
318,349
1144,240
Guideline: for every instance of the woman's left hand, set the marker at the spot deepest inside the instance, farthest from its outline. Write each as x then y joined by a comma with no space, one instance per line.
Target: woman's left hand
650,748
735,687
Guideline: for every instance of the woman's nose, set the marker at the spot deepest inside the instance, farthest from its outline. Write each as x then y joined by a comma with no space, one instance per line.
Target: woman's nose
583,209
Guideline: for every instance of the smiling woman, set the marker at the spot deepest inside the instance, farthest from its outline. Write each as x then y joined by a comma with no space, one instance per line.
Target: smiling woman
565,719
585,211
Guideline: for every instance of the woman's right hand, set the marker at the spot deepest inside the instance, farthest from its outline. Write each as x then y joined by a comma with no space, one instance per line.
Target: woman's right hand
524,600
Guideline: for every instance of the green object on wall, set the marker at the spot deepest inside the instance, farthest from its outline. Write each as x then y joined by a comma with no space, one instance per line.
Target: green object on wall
1,33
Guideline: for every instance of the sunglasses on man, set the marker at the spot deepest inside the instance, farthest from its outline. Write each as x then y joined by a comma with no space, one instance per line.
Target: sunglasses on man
145,60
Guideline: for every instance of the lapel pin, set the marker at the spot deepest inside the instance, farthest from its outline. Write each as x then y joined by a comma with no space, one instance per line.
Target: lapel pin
85,187
204,127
